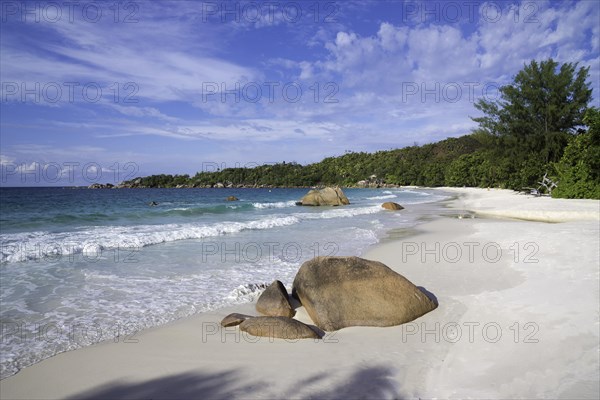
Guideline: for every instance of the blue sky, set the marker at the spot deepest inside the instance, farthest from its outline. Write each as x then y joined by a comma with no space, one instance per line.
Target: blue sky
97,92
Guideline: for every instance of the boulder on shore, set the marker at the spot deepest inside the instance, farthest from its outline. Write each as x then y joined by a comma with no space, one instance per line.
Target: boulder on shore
278,327
274,301
234,319
325,197
392,206
338,292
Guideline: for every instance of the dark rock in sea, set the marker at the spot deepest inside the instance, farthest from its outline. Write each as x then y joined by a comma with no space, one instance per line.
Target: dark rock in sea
325,197
338,292
372,182
133,184
392,206
232,198
278,327
274,301
101,186
234,319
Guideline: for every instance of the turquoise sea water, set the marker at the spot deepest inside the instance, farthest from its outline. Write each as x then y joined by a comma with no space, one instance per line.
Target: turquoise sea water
78,266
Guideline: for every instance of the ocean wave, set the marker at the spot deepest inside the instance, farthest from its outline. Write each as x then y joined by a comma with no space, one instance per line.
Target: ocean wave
424,197
246,293
47,245
341,213
198,210
387,196
418,193
39,245
279,204
116,306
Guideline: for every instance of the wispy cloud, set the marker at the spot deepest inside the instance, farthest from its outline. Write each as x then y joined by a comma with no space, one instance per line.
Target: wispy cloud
184,82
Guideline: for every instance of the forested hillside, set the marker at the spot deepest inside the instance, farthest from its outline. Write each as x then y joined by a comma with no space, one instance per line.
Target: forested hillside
540,125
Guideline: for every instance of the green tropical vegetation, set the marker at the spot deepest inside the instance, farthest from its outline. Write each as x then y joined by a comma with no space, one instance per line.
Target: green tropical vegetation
579,168
540,125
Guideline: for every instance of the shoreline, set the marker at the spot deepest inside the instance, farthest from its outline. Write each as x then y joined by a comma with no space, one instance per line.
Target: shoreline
193,356
505,203
282,250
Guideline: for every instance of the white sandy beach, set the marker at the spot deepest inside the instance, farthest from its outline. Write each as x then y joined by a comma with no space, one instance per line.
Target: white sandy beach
518,316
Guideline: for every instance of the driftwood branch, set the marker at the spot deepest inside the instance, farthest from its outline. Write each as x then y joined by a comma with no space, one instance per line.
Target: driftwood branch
547,184
545,187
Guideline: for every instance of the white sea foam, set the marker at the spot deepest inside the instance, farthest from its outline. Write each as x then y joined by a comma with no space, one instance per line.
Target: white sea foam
168,282
418,193
45,245
246,293
387,196
105,305
91,241
341,213
423,197
279,204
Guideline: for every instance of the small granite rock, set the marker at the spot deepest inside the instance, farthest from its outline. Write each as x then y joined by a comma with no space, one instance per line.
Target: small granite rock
278,327
392,206
232,198
274,301
234,319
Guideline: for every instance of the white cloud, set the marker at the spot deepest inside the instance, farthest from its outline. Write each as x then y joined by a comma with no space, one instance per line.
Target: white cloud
29,168
171,56
6,160
442,53
158,56
374,72
262,130
142,112
392,38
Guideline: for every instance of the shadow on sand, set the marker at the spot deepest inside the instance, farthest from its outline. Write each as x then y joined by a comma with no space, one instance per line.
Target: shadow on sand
376,382
429,295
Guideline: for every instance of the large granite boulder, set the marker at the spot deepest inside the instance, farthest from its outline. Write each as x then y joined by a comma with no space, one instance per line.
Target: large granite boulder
278,327
274,301
338,292
392,206
325,197
234,319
